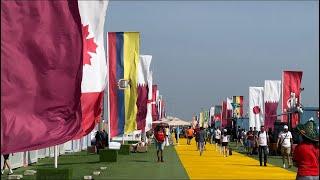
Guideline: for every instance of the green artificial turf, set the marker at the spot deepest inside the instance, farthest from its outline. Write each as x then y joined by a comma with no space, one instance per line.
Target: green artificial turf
133,166
274,160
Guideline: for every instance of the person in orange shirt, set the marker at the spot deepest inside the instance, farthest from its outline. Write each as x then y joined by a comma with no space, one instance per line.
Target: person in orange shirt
189,135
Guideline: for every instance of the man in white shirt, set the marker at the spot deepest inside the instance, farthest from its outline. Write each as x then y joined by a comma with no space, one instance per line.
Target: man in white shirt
217,138
262,141
285,142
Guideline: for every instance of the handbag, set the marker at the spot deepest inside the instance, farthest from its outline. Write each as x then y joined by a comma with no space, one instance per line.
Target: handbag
267,150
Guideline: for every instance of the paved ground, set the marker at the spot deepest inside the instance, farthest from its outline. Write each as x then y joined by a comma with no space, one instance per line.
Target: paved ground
212,165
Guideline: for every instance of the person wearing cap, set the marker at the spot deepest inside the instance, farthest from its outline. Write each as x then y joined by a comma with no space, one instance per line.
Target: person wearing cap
285,143
225,139
306,154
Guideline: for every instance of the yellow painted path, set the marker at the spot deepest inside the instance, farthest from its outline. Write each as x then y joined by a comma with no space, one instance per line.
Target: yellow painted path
212,165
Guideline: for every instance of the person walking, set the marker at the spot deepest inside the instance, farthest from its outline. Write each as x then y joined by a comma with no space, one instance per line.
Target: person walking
167,133
306,154
99,144
285,143
212,129
189,135
239,135
217,138
255,137
196,131
262,142
202,139
225,138
177,133
6,164
159,138
250,141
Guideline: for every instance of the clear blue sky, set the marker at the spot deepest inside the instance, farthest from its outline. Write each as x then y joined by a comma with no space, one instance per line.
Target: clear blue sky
205,51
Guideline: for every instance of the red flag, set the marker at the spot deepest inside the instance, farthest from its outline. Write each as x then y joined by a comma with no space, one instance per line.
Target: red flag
217,112
291,84
224,114
41,71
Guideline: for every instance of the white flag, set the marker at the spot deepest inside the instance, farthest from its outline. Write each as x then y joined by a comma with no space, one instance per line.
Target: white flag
272,93
149,105
211,112
256,107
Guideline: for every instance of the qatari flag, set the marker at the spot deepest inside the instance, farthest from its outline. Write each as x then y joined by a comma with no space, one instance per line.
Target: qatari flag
272,92
224,114
155,113
291,86
143,72
41,71
149,103
229,108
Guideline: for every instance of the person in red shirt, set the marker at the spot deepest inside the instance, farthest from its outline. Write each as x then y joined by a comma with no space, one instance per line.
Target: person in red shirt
306,154
159,138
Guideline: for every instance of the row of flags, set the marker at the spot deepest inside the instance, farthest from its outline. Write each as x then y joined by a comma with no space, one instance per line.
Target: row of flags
55,70
263,103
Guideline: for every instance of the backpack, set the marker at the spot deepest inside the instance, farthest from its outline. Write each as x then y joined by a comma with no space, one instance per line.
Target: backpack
230,151
160,136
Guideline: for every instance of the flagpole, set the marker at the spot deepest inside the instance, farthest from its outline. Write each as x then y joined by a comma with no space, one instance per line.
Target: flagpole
55,156
108,94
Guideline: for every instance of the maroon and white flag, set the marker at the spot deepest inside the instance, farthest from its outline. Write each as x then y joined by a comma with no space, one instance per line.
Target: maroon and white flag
229,108
155,93
149,103
272,93
41,72
143,73
256,109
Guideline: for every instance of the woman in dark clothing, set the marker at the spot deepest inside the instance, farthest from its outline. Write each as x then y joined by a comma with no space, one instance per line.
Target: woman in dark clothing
98,141
6,163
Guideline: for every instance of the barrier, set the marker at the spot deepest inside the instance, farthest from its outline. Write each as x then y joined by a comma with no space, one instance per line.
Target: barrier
15,161
41,153
32,156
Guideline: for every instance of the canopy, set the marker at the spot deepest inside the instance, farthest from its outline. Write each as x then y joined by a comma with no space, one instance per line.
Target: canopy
178,122
165,121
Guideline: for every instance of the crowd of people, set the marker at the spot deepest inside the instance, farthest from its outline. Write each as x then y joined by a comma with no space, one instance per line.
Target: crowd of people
305,156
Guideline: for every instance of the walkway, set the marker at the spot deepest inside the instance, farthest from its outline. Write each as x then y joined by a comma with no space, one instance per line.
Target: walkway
212,165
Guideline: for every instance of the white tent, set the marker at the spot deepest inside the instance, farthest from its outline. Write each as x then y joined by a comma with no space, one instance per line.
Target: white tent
178,122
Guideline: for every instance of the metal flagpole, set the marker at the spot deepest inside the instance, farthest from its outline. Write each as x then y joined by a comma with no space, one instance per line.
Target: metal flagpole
108,93
56,156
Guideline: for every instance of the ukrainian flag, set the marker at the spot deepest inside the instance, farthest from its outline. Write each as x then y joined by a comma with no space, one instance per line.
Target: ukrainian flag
123,60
